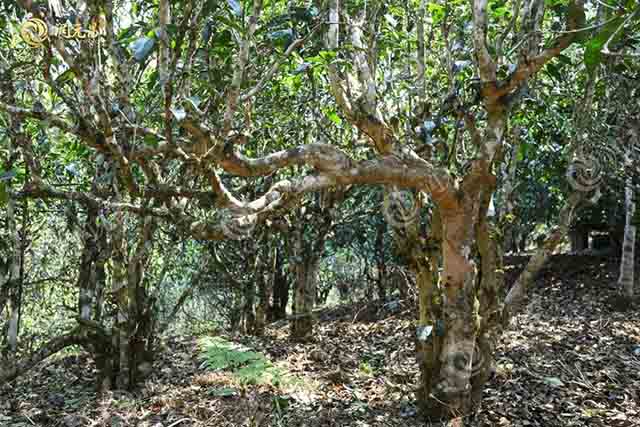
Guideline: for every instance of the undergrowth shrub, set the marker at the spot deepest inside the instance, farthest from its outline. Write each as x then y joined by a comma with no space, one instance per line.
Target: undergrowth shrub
247,367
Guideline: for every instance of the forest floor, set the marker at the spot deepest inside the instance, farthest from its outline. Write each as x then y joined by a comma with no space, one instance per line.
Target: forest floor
567,360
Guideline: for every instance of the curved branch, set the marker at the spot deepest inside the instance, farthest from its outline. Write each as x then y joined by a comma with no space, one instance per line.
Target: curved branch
486,64
322,157
531,66
49,118
9,373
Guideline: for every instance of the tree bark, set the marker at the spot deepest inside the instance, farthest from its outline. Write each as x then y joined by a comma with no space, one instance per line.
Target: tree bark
280,288
120,336
626,280
380,260
265,289
516,296
450,394
10,372
247,309
305,291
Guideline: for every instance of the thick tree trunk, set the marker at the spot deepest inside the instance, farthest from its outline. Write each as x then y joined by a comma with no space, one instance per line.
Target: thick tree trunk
263,304
10,285
450,394
429,331
141,310
305,291
305,258
490,287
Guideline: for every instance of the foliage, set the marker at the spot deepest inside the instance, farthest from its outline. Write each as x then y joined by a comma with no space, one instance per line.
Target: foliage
248,367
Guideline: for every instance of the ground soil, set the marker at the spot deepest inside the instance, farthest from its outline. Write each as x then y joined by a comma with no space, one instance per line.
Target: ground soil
569,359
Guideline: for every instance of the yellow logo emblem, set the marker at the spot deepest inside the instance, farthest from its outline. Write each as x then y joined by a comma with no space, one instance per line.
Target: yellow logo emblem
34,32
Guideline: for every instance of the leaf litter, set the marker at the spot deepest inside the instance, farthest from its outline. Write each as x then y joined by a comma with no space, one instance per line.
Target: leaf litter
567,360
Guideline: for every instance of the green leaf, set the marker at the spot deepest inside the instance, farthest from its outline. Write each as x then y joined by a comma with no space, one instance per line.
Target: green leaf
282,37
554,381
522,152
151,140
592,55
499,12
325,55
235,6
142,48
593,47
333,116
564,59
552,70
65,77
153,79
224,392
437,12
179,113
6,176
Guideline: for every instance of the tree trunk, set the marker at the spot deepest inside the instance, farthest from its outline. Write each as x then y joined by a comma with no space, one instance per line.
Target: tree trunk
10,285
263,304
516,296
508,192
306,273
247,308
120,335
450,389
265,288
579,237
86,283
306,254
489,290
280,288
141,309
627,262
13,277
10,372
429,331
381,264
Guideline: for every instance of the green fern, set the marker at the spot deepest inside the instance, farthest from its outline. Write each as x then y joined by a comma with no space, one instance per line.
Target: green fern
248,367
